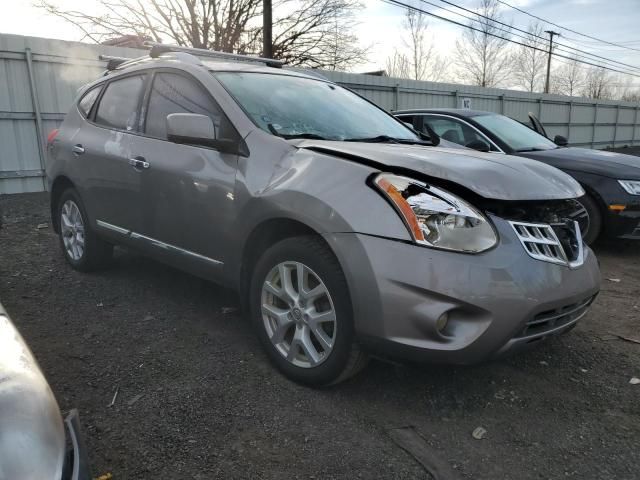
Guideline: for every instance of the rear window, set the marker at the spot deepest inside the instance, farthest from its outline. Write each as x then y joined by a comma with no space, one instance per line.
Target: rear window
119,105
88,99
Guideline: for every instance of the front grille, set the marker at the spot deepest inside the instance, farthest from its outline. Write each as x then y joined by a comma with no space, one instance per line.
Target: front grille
556,318
559,243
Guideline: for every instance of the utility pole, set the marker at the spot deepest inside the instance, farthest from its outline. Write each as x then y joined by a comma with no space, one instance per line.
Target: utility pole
551,35
267,25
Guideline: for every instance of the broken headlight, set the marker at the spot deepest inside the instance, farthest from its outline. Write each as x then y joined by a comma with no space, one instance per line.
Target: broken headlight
436,218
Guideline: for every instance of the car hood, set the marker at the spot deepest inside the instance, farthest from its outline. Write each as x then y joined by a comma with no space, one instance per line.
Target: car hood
599,162
491,175
32,441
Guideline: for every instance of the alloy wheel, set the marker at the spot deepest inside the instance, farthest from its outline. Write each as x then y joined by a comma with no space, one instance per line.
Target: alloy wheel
298,314
72,229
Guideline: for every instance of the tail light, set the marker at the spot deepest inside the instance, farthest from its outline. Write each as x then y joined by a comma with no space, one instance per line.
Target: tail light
52,136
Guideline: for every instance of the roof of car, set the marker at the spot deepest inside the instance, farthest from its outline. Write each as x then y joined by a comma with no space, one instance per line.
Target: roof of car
461,112
248,64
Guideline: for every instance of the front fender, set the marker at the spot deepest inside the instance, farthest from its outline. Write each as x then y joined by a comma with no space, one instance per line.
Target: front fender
325,193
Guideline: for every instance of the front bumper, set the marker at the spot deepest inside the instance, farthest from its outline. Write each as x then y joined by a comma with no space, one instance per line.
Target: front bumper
493,300
76,463
619,223
625,224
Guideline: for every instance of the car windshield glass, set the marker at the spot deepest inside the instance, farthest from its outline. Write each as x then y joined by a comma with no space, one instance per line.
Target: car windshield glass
514,134
296,107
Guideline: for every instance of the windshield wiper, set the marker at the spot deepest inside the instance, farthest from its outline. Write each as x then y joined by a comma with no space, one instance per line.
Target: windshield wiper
287,136
310,136
532,149
387,139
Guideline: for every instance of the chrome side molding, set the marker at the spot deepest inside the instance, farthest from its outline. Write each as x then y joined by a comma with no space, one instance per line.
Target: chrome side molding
157,243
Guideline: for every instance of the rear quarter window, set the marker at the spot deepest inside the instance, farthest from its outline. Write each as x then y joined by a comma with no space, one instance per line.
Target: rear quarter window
88,99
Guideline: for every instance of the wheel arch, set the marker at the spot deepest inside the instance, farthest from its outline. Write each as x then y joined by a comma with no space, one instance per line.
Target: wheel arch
593,193
262,236
59,185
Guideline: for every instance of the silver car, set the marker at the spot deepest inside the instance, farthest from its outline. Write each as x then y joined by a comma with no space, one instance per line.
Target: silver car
344,231
35,442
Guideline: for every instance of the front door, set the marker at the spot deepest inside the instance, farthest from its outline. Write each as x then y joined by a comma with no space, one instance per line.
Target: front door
187,191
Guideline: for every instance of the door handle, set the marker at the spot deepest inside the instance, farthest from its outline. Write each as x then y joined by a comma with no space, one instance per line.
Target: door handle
77,149
139,163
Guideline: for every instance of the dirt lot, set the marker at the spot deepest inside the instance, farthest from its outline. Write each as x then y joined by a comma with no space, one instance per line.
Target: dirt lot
197,398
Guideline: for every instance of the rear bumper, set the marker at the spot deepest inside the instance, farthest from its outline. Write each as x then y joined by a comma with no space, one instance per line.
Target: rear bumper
492,299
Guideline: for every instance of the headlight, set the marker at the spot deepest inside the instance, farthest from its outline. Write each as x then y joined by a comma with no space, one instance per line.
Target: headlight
436,218
631,186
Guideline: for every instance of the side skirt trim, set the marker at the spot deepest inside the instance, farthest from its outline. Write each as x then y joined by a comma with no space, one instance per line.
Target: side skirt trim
156,243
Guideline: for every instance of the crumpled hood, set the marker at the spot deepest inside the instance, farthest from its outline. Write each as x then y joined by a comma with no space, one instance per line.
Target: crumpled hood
599,162
491,175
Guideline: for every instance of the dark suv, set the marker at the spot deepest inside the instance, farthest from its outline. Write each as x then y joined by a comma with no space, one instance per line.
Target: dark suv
343,229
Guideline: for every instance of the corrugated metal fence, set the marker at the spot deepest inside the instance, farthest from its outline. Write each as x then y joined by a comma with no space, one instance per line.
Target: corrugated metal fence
39,79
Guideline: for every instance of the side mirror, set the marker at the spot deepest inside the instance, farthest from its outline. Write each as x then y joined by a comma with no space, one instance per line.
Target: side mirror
478,145
560,141
194,129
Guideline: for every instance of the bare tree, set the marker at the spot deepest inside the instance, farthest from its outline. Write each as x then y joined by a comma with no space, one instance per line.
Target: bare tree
304,31
631,95
397,65
623,88
529,60
568,79
598,83
329,41
483,58
418,58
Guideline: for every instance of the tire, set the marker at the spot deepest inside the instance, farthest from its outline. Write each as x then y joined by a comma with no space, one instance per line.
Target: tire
81,247
591,233
325,296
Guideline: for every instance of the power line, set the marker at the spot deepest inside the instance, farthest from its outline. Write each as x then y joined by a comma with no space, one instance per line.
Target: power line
410,7
567,29
564,48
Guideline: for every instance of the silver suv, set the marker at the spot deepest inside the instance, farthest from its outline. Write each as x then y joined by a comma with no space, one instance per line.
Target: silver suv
344,231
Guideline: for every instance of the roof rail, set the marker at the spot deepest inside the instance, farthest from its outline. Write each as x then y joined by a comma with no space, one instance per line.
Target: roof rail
113,62
158,49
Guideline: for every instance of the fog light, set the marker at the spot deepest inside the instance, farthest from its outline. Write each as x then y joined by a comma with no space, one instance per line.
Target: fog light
442,321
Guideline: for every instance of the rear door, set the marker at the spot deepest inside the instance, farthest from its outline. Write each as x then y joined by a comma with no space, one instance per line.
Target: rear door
187,191
113,185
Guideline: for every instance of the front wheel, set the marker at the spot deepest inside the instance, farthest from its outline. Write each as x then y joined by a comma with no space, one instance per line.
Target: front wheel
302,313
592,227
80,245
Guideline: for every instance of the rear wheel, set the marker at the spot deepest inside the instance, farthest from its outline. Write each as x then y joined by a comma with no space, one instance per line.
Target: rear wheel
80,245
592,225
301,310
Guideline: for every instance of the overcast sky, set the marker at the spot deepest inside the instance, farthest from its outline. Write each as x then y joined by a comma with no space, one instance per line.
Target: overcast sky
613,20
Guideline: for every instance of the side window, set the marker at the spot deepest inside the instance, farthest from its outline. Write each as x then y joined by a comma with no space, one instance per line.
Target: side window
88,99
446,128
118,107
173,93
453,130
408,119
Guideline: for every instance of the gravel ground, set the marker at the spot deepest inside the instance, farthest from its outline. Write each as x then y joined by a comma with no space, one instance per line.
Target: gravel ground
197,398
